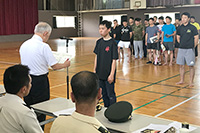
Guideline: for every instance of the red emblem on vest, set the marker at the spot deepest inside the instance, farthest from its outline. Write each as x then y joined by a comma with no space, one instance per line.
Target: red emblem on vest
107,49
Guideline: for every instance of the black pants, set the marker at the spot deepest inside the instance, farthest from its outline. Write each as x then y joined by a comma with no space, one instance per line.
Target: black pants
196,51
144,48
39,92
108,92
131,46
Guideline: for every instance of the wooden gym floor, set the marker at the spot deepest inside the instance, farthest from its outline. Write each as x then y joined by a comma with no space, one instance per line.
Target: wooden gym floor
150,89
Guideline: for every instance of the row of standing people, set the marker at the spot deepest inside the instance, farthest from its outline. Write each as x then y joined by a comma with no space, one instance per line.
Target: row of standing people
136,38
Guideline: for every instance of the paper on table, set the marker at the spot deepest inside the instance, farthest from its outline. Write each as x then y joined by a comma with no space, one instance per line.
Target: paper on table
161,128
178,125
64,112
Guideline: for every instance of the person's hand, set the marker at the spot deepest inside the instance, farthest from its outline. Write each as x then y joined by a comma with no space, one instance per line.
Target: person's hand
146,43
67,63
110,78
161,42
167,35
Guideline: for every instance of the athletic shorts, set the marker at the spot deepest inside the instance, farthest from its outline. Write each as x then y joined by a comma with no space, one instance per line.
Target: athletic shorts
158,47
169,45
177,45
124,44
151,45
186,56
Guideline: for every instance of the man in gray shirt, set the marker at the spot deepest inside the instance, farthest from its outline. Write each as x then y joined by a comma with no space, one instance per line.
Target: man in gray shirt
151,31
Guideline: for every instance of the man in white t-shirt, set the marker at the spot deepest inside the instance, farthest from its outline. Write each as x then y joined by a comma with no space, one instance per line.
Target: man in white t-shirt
37,55
160,25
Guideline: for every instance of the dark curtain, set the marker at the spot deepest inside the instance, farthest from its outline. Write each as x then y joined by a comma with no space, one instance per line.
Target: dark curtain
18,16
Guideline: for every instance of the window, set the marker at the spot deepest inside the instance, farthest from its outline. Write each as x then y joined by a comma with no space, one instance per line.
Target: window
171,14
64,21
112,17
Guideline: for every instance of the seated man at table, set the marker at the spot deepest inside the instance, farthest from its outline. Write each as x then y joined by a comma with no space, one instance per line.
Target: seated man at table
85,94
15,116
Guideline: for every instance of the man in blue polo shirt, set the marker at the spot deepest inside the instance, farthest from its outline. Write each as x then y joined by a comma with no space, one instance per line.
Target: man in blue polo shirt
168,33
187,36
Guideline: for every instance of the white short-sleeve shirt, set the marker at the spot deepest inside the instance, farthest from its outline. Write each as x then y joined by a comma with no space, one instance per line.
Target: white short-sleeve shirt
37,55
15,117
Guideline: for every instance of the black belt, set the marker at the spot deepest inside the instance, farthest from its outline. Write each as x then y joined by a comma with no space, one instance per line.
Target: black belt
43,75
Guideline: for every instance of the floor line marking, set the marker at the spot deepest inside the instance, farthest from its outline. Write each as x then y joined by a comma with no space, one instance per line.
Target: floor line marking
4,62
148,85
132,67
58,85
176,105
155,100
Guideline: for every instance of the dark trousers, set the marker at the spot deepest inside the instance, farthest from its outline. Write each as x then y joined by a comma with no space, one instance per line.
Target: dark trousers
39,92
196,51
144,49
131,46
108,92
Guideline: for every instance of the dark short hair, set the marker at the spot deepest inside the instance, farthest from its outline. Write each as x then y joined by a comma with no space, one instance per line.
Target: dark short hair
186,14
16,77
169,18
124,21
151,19
106,23
192,17
155,17
161,17
115,20
146,19
85,86
131,18
137,19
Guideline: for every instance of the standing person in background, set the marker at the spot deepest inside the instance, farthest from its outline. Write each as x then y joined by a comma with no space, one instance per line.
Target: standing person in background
193,22
176,24
126,34
187,36
168,33
146,24
117,35
37,55
131,24
161,24
155,20
151,31
159,52
138,32
105,63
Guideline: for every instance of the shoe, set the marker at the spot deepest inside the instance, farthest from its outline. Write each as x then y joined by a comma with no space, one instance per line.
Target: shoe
159,63
155,63
149,62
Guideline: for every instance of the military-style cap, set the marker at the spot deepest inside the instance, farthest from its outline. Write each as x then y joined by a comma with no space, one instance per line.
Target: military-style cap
119,112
